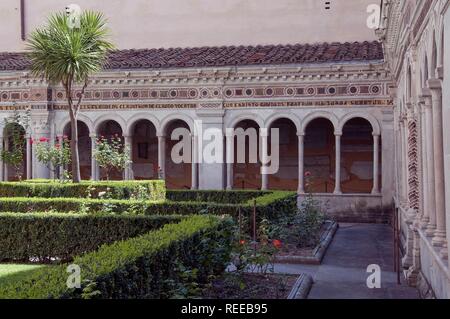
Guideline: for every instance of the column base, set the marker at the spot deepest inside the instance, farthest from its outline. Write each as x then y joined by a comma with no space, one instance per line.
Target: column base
337,192
429,230
439,238
424,222
376,192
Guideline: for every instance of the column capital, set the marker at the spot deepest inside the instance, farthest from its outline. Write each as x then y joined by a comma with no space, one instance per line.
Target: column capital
301,134
263,132
434,85
376,134
93,135
338,133
160,135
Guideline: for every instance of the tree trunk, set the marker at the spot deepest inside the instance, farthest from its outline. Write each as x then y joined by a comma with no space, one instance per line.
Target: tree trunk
76,176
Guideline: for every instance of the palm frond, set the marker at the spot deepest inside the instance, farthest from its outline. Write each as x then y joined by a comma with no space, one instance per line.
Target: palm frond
60,53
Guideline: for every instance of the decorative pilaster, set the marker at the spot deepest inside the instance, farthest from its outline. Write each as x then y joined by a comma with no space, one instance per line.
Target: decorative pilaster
161,156
301,163
337,189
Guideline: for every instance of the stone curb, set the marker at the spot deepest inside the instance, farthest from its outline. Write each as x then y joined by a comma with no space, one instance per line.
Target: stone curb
318,252
301,287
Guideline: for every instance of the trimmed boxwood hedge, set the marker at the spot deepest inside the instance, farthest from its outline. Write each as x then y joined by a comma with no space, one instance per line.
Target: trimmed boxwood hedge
156,189
61,236
224,197
272,205
149,266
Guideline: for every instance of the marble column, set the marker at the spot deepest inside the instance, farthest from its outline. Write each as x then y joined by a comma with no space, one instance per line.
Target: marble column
94,167
425,218
337,189
161,156
431,227
128,171
376,164
439,238
301,163
264,136
194,164
29,157
230,158
2,166
404,161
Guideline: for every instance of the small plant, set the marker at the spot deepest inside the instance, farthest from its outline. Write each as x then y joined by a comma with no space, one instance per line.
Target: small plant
110,153
54,156
107,206
138,198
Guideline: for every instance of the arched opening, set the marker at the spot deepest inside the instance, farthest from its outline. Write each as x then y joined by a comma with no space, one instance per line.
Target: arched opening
246,165
287,176
144,153
320,156
357,157
84,148
108,130
177,175
14,145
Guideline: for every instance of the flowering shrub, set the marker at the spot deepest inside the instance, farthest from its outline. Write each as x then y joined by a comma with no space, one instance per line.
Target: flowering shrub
302,228
110,153
255,256
54,156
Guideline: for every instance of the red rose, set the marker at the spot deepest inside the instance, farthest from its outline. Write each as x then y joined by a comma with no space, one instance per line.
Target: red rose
307,174
57,145
242,242
277,243
43,139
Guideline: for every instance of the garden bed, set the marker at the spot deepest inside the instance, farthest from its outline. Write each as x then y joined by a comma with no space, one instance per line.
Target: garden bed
250,286
309,255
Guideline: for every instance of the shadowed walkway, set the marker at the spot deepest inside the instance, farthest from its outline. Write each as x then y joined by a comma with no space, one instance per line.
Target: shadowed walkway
342,274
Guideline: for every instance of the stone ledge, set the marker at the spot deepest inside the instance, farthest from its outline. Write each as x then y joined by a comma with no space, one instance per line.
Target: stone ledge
301,287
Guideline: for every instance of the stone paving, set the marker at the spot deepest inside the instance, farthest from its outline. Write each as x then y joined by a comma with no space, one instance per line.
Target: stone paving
343,272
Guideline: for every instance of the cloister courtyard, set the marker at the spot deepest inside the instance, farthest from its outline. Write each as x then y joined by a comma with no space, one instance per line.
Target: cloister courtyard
229,150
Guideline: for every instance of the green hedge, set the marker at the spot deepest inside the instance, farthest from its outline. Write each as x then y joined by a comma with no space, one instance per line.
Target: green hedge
224,197
61,236
271,205
154,190
150,266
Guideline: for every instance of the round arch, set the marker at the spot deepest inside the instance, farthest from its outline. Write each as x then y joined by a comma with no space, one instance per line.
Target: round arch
280,116
165,122
81,118
372,120
107,117
138,117
244,117
317,115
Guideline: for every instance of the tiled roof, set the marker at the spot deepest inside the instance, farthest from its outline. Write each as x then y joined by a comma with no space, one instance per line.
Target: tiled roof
226,56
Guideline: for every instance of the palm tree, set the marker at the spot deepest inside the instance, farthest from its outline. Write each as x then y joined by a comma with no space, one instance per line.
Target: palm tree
68,54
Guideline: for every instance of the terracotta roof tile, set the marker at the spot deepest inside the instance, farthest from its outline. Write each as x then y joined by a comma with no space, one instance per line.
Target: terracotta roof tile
226,56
